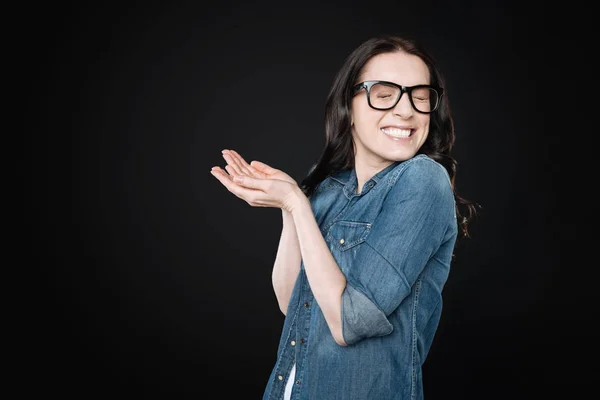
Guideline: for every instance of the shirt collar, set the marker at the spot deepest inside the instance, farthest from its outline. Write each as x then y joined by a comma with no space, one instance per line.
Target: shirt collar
347,177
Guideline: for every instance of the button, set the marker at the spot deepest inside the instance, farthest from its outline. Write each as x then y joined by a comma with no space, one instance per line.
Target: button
370,184
301,340
297,382
280,377
342,241
293,342
305,304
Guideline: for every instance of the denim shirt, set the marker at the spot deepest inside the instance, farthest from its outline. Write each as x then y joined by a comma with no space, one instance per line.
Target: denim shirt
394,243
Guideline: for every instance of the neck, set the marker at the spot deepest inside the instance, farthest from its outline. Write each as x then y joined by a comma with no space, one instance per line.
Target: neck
366,169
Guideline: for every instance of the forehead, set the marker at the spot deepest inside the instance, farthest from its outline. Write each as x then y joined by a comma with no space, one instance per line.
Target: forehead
398,67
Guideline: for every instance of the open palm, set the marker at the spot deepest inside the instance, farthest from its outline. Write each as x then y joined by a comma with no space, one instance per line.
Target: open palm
237,166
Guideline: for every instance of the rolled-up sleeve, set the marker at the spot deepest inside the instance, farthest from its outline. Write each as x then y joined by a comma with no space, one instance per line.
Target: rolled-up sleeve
410,227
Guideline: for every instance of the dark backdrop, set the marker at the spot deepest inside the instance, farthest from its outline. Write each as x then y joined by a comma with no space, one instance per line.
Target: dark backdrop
159,279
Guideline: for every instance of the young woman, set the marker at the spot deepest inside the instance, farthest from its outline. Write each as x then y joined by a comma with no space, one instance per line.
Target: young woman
368,236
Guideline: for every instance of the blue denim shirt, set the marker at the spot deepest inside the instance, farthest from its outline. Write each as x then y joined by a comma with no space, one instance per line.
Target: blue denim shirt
394,243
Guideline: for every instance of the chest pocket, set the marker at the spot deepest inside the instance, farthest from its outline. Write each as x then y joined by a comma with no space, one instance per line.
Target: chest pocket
344,235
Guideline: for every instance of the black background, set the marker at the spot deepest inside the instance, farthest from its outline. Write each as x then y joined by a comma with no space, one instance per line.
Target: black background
159,279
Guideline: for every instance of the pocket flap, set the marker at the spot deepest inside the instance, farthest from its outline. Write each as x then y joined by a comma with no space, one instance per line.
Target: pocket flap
346,234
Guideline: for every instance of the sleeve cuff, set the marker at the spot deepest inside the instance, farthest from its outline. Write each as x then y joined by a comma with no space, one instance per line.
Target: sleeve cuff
361,318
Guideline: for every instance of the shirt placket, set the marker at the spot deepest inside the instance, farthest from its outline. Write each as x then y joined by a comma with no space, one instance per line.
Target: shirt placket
285,363
302,332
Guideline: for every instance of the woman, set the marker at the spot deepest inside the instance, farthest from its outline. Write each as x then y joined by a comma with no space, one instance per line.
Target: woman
368,237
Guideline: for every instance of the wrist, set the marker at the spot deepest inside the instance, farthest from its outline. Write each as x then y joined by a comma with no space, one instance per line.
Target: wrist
287,217
298,202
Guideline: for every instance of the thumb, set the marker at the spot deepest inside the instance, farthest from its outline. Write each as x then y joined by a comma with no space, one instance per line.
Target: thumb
262,167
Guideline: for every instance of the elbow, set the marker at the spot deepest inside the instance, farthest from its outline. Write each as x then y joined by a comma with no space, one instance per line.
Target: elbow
283,308
283,301
340,341
336,330
338,336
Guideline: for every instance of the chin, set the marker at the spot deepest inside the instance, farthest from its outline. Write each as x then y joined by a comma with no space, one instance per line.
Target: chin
400,155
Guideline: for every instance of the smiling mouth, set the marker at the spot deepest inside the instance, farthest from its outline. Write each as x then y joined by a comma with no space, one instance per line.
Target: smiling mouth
397,133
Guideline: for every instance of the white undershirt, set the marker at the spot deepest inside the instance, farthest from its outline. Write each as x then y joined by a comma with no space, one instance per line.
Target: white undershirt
290,383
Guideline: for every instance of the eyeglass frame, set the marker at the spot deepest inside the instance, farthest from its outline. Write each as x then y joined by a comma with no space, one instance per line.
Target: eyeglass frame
403,89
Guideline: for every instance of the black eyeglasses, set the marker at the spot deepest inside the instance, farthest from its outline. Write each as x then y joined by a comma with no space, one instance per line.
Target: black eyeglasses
382,95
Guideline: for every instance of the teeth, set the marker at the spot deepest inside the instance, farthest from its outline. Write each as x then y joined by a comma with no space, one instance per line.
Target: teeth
399,133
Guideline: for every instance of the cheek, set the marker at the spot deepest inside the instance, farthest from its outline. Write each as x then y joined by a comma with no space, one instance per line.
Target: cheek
365,126
424,123
365,118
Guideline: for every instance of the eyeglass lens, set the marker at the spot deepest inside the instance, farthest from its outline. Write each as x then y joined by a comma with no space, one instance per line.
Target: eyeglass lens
385,96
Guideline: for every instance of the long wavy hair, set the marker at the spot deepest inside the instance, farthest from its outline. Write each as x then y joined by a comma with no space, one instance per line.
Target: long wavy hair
338,153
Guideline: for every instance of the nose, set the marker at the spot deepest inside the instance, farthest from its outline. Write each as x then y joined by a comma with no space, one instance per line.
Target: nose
403,108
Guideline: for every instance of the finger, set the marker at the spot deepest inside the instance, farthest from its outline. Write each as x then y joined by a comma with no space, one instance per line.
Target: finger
236,158
263,167
231,171
257,174
232,163
249,195
253,183
243,164
220,174
231,159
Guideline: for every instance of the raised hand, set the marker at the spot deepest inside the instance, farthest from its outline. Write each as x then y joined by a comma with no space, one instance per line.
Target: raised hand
238,166
259,184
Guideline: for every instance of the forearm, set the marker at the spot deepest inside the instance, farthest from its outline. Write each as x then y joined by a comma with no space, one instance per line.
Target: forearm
325,277
287,262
